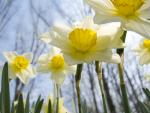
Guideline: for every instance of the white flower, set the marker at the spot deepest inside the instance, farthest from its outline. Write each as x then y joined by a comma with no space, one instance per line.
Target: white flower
143,51
20,66
133,14
61,108
54,63
86,41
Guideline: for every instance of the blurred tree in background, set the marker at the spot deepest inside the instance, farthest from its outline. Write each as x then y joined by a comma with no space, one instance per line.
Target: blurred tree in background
22,22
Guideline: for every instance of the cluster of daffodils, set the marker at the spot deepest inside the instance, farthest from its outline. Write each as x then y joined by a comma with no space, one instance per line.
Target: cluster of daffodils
87,41
20,66
133,16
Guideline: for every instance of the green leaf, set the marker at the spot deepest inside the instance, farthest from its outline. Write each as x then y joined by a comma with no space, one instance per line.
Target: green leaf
148,106
39,106
143,107
5,95
20,106
27,106
37,102
49,106
147,93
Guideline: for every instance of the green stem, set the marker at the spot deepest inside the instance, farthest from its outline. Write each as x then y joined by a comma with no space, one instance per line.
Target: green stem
100,78
78,78
121,77
57,99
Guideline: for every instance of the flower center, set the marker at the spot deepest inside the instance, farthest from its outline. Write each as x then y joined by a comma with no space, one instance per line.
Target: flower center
19,63
57,61
127,8
146,44
83,39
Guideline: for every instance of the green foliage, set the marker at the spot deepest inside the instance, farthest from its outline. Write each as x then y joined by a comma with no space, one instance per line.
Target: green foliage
50,110
38,105
27,106
145,106
20,106
147,93
5,95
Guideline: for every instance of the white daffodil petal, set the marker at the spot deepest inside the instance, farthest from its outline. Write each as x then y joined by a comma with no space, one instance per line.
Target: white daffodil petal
55,50
44,58
105,56
145,13
144,57
61,29
110,36
105,18
140,26
98,6
23,76
103,42
10,56
88,22
43,68
28,56
46,37
11,73
110,29
31,70
60,43
58,77
108,3
70,60
116,41
104,11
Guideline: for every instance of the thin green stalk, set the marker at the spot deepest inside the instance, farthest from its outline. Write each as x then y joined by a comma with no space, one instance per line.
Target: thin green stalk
57,99
100,78
78,78
121,77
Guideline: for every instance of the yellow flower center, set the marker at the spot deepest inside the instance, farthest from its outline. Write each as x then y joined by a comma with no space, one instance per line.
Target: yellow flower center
127,8
83,39
20,63
57,61
146,44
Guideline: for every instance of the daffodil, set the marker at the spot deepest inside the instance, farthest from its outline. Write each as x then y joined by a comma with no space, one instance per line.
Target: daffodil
84,41
143,51
20,66
55,64
61,108
133,14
